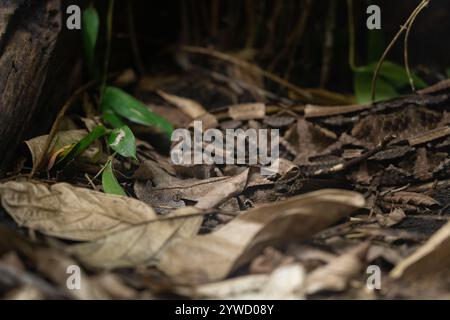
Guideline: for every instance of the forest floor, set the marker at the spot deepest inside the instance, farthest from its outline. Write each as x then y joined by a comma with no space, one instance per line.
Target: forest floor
358,209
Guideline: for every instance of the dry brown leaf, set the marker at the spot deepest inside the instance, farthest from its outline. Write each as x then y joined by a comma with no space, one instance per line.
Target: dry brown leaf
394,217
25,292
207,120
212,257
247,111
62,139
429,136
336,275
269,260
223,191
421,165
406,197
54,265
284,283
430,258
190,107
69,212
171,192
139,244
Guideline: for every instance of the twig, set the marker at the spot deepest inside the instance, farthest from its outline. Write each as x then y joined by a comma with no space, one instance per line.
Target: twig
352,162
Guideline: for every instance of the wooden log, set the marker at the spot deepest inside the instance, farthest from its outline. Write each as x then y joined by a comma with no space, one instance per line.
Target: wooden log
35,66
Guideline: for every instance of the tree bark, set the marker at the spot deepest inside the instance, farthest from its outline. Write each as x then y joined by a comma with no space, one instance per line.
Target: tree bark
34,75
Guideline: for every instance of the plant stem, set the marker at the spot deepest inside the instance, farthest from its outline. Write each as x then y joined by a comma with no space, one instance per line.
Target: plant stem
109,19
351,35
416,12
391,44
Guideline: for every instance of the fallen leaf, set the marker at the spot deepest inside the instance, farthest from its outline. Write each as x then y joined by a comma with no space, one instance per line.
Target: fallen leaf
171,193
406,197
284,283
139,244
393,218
430,258
69,212
212,257
61,141
223,191
247,111
269,260
335,276
190,107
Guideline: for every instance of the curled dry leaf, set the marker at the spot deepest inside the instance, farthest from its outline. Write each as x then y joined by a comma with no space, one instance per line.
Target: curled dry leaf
212,257
335,276
139,244
406,197
430,258
68,212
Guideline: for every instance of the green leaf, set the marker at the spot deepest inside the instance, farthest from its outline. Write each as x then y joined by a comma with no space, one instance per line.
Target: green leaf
393,73
109,181
91,24
448,72
112,118
363,88
132,109
122,141
78,148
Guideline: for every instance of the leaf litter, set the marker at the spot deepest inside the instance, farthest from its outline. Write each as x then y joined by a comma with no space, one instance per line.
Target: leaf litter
357,185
